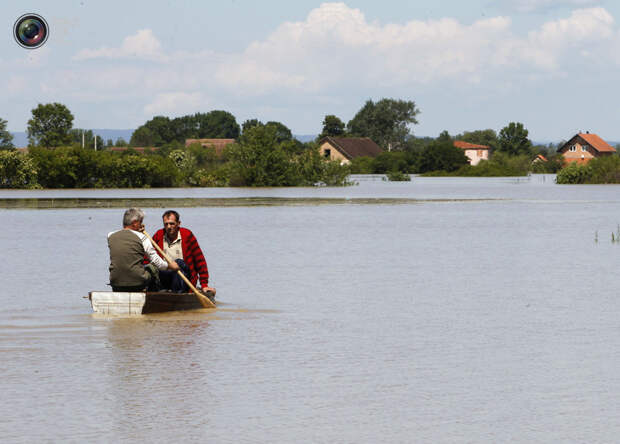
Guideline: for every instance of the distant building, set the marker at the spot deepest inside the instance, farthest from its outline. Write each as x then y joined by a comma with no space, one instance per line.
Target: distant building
539,158
345,149
217,144
475,153
583,147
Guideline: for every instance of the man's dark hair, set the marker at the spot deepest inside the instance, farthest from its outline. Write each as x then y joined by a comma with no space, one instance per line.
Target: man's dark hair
172,212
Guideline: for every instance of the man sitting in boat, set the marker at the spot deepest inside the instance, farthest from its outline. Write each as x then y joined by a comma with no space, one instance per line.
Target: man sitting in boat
181,246
128,248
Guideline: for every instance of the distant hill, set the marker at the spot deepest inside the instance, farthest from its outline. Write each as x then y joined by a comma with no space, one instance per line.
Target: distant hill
20,139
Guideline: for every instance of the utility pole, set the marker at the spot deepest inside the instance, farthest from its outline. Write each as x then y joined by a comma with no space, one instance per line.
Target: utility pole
95,142
82,138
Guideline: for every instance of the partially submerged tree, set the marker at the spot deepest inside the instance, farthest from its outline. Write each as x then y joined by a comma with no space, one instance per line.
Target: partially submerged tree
442,155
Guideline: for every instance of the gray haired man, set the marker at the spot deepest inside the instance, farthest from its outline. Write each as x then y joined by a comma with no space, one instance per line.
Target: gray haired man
128,248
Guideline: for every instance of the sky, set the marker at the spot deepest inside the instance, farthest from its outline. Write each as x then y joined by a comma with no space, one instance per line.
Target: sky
553,65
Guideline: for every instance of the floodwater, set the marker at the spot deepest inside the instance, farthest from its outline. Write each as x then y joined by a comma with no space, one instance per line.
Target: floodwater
463,310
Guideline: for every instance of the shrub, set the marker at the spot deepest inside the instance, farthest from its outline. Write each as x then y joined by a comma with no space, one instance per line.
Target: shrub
574,174
17,170
397,176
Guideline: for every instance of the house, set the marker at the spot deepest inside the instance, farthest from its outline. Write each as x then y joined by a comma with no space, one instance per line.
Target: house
217,144
539,158
475,153
583,147
345,149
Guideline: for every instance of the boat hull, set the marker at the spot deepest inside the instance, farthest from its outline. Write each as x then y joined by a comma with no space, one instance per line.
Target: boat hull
137,303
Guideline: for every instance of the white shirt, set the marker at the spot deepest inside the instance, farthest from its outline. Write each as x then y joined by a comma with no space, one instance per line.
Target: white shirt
173,249
150,251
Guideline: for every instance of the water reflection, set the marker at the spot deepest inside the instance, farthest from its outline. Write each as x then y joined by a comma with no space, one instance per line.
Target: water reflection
156,371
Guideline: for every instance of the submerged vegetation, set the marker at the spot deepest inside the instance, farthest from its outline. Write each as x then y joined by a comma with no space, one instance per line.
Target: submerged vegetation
598,171
266,154
258,159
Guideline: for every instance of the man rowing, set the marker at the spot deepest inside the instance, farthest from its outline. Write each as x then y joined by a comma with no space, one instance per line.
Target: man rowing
181,246
128,248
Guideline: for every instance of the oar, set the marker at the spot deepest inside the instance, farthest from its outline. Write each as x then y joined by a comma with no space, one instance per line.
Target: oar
205,301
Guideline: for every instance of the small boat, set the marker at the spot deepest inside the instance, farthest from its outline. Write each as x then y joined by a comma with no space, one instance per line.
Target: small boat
143,302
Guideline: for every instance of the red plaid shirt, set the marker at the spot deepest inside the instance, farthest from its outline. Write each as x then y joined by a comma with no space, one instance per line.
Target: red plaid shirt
192,255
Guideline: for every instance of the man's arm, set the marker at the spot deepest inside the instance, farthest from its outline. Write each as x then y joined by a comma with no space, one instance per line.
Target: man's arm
200,264
152,253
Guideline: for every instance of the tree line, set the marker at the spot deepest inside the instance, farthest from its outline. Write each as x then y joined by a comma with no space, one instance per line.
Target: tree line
264,154
512,151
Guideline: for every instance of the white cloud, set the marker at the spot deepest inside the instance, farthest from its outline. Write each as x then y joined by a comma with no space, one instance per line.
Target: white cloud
585,31
335,47
332,59
142,45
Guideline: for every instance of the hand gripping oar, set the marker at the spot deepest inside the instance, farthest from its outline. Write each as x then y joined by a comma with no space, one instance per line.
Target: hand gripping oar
205,301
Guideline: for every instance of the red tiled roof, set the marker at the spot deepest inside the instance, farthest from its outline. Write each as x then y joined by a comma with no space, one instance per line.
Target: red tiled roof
591,139
352,147
597,143
469,146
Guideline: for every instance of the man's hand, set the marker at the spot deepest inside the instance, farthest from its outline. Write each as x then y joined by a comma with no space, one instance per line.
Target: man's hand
207,289
173,266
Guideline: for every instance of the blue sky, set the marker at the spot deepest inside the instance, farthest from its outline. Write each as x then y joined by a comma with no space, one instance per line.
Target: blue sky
552,64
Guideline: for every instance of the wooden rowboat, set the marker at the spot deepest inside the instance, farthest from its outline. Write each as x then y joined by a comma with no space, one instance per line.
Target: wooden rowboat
136,303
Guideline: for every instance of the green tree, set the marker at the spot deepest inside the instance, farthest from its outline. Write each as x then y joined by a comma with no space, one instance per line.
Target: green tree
391,161
217,124
486,137
143,136
442,155
283,133
574,174
259,160
6,138
513,140
78,134
155,132
386,122
50,125
250,123
444,137
332,126
17,170
161,130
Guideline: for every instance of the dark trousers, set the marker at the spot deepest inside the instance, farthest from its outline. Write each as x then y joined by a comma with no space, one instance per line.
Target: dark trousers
152,282
171,279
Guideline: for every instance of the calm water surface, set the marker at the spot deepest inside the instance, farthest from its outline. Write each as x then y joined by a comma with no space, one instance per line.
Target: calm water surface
449,321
